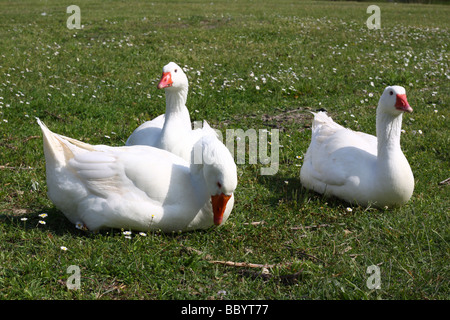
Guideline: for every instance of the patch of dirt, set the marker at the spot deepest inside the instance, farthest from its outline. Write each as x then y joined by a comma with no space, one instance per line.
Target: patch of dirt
19,211
299,116
281,119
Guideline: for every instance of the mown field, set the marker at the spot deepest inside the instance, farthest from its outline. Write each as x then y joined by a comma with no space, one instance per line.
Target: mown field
251,65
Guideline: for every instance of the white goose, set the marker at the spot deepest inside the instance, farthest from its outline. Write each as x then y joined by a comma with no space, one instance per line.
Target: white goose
139,187
171,131
358,167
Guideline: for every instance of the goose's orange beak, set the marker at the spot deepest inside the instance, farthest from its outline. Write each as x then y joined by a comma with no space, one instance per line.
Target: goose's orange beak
166,80
219,203
402,104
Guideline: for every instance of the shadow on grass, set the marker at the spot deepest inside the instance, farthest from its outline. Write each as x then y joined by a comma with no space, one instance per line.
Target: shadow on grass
291,192
47,218
52,220
290,189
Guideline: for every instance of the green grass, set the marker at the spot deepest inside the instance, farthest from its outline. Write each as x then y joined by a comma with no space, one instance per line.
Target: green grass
98,84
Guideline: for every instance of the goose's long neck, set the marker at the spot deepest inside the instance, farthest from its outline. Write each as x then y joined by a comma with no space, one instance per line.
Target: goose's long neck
177,118
388,135
176,101
393,180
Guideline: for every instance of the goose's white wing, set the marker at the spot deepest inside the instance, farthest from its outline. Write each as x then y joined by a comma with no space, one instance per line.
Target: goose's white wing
334,153
127,170
148,133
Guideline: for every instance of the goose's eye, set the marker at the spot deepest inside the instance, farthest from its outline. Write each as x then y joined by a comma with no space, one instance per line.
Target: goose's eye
391,93
175,70
219,185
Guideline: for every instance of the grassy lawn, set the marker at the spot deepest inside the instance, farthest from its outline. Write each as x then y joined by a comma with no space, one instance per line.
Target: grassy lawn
251,65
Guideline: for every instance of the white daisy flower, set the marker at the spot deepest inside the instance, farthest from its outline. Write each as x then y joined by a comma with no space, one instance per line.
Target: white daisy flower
80,226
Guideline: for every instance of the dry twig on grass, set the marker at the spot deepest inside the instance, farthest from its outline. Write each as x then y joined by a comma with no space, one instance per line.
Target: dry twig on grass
6,167
246,271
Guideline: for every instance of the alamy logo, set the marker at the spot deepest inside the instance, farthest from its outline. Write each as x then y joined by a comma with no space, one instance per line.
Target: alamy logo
74,21
374,280
258,143
73,282
374,21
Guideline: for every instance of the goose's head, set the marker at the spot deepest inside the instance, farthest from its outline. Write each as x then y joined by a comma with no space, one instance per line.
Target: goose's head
173,78
393,101
219,172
